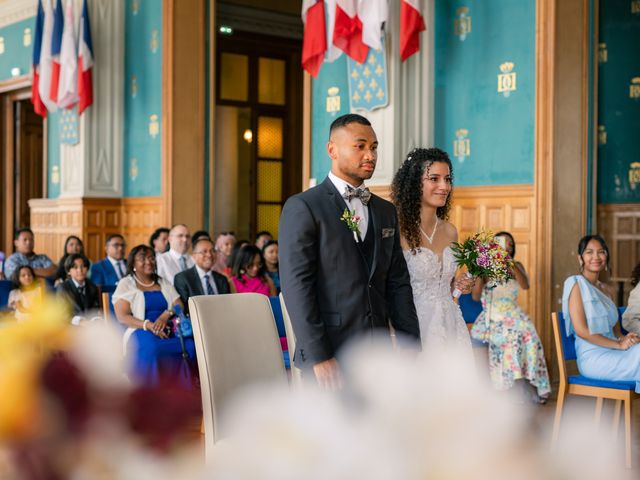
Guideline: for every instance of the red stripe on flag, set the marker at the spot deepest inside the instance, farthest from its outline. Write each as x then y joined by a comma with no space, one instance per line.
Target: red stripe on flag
55,81
347,36
85,87
38,106
315,39
411,24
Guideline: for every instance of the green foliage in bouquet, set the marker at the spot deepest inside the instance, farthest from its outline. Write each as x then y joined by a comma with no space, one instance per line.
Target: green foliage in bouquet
484,257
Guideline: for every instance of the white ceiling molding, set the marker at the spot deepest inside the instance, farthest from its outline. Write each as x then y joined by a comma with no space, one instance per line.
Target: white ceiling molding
256,20
12,11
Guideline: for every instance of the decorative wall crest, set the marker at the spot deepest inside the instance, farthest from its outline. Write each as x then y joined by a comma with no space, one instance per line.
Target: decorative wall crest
154,126
602,135
603,55
462,23
507,79
461,145
634,174
634,88
333,100
26,37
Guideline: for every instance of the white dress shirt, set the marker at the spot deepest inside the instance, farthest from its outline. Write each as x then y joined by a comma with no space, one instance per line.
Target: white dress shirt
169,264
353,204
114,263
201,274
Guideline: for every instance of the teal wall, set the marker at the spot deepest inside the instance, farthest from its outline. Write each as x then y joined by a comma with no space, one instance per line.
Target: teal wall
618,113
53,153
142,59
331,75
16,54
500,130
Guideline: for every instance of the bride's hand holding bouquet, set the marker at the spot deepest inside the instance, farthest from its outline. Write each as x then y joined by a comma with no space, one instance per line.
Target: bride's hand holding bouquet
483,256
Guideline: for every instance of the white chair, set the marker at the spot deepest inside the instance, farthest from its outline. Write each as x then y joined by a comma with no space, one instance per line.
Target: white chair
296,373
237,345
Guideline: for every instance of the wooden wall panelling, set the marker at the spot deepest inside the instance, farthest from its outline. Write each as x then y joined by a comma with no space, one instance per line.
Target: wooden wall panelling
93,220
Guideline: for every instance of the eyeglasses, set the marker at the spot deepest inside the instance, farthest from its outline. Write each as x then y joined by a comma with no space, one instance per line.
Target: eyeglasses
204,252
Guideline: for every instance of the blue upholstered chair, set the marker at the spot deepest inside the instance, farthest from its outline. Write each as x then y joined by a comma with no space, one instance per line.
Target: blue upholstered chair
589,387
282,333
470,308
5,287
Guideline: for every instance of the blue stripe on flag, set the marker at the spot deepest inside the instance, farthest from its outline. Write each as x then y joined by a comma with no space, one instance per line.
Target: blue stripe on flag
37,46
58,27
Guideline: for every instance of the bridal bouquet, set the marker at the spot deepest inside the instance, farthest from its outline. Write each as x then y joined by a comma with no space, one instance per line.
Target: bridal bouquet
484,257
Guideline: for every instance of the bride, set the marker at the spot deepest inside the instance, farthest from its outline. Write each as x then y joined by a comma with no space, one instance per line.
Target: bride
421,192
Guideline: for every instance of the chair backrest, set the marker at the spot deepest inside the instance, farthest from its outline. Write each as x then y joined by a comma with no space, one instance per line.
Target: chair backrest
470,308
296,374
565,348
237,345
5,287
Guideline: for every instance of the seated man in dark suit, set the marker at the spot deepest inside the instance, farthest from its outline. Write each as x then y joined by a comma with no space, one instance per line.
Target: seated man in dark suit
201,279
110,270
81,293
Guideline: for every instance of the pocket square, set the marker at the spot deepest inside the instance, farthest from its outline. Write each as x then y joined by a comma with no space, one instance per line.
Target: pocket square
388,232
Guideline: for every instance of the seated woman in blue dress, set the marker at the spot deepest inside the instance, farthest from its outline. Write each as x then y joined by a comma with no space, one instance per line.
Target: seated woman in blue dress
603,353
142,301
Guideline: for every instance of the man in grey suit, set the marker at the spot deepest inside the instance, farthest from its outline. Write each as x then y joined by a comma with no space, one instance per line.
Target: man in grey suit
342,271
201,279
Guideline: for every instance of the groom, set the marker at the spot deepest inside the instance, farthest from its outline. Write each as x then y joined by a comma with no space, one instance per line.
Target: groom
342,271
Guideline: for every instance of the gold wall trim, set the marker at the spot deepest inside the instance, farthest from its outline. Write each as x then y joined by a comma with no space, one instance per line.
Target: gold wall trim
93,220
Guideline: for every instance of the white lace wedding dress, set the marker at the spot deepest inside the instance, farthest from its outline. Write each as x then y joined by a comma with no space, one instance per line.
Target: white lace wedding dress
441,322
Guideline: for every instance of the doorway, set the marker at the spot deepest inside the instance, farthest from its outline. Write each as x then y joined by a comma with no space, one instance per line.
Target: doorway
258,138
23,163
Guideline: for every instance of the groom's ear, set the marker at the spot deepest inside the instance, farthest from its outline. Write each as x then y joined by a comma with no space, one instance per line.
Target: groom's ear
331,149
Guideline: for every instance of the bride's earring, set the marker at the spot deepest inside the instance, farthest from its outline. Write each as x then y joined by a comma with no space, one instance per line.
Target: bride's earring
581,267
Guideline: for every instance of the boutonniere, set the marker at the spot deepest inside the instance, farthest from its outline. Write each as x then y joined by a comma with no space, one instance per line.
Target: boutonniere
352,220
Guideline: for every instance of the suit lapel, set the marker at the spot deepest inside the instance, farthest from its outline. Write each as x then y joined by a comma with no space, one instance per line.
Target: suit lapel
340,204
195,280
375,224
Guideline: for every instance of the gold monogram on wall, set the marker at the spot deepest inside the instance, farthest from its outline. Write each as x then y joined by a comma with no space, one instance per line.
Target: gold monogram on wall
602,53
133,171
55,174
461,145
462,23
635,7
507,79
134,86
602,135
153,44
135,7
26,37
634,88
634,174
333,100
154,126
1,45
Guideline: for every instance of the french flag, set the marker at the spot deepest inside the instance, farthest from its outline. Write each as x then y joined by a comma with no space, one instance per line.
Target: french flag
347,30
315,40
411,24
46,62
56,48
85,61
38,106
68,83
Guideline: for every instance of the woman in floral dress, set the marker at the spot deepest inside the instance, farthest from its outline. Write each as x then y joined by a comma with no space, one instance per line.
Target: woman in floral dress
515,350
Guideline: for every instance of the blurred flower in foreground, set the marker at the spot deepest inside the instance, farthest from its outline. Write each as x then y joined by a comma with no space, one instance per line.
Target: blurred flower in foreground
399,417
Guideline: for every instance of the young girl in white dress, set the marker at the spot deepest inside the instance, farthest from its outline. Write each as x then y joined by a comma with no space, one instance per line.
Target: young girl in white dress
421,192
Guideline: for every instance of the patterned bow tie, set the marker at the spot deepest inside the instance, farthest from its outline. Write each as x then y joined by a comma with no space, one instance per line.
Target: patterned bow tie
362,193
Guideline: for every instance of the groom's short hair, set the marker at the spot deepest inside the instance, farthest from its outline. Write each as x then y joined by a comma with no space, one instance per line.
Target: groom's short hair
344,120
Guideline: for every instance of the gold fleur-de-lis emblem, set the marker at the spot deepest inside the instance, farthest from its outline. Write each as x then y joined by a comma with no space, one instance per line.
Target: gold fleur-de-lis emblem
26,37
379,70
361,85
373,84
380,94
356,97
366,72
355,74
368,96
133,170
153,44
154,126
372,59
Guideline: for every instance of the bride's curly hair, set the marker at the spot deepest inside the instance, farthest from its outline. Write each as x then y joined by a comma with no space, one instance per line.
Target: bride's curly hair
406,191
